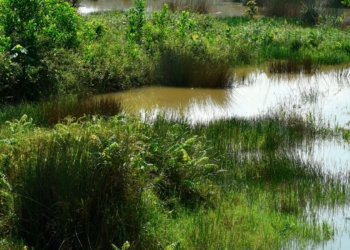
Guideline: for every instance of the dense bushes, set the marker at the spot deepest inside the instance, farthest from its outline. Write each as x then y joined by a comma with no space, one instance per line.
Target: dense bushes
34,28
53,51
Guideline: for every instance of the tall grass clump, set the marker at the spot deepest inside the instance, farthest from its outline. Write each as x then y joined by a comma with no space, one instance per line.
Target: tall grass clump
87,184
6,207
178,68
59,109
292,67
73,197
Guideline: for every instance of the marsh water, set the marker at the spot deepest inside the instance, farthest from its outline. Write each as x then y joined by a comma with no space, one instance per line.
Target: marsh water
216,7
321,96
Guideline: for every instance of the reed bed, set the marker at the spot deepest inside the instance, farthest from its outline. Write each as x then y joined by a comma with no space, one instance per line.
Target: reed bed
96,182
79,174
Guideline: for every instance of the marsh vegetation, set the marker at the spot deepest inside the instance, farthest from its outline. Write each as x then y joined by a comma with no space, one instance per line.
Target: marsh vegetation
78,172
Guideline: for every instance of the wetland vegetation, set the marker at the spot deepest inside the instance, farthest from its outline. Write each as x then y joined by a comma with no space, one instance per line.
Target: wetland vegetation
82,173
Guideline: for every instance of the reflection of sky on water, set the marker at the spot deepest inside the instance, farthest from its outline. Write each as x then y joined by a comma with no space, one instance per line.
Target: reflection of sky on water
338,218
333,156
323,98
219,8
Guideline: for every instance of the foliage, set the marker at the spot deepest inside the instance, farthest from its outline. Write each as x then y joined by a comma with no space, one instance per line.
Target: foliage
252,9
346,2
97,183
34,28
310,13
39,25
136,20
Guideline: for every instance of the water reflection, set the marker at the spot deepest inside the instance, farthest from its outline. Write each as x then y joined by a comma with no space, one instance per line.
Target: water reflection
339,220
217,7
322,97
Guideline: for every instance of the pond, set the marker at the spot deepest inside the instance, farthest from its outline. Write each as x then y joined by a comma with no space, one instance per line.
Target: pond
216,7
321,95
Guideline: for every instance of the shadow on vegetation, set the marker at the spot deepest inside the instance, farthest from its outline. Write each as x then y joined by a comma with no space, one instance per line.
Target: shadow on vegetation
199,6
179,69
71,197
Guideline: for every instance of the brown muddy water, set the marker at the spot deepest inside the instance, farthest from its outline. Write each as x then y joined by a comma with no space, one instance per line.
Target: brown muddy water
322,95
216,7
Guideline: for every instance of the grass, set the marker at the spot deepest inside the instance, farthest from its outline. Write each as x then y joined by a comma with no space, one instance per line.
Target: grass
79,173
96,182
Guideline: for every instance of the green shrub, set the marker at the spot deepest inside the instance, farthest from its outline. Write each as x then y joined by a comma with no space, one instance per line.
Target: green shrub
23,79
136,20
252,9
34,28
39,25
310,13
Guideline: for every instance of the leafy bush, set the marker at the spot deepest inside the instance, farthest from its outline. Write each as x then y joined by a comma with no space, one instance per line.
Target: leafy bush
136,20
310,13
21,78
39,25
34,28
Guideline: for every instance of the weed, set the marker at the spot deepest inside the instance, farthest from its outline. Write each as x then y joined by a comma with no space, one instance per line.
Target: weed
252,9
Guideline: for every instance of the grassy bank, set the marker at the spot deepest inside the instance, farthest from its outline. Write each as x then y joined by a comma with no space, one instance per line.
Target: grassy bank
91,183
115,50
76,173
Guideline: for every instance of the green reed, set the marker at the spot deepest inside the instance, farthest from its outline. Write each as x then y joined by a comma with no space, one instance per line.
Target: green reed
94,182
